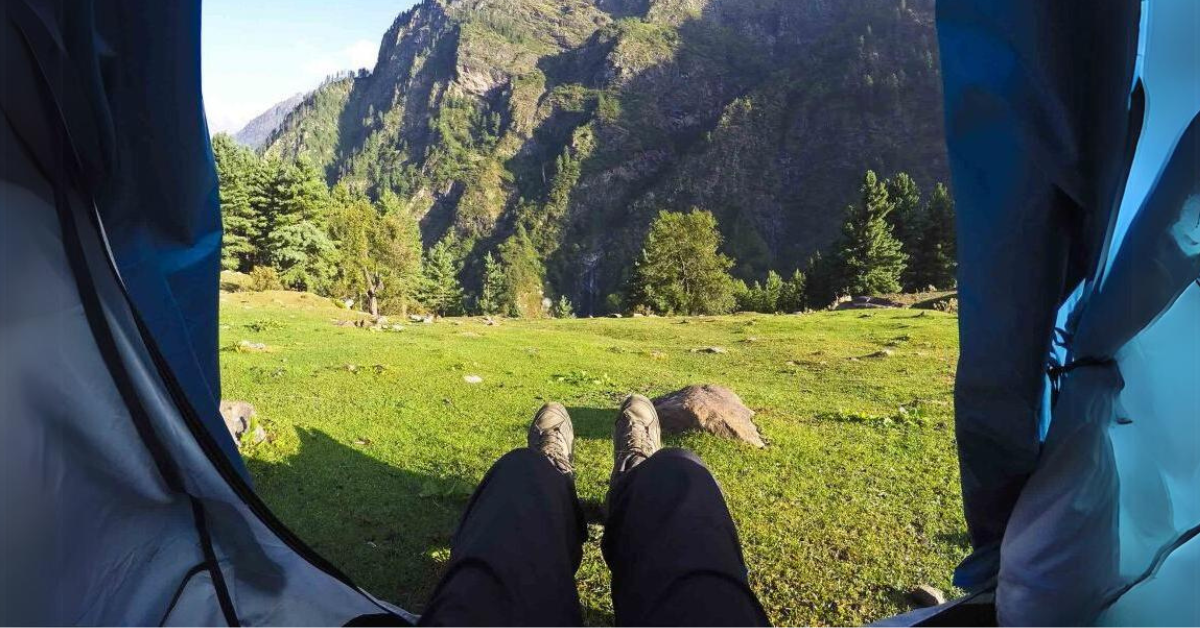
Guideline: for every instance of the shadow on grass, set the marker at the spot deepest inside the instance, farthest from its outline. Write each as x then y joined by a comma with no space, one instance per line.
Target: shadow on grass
593,423
389,529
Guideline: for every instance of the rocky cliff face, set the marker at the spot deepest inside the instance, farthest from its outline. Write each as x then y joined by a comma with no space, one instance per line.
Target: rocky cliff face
581,119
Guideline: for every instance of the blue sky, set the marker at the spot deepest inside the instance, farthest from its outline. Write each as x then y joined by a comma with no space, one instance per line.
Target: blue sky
259,52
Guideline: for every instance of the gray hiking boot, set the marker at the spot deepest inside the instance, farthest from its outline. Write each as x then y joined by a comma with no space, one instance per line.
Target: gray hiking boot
552,434
636,435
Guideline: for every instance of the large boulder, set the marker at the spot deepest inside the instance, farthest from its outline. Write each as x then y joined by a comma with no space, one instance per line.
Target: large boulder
708,408
237,415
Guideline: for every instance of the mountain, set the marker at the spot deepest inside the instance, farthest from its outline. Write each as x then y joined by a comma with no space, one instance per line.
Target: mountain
257,131
581,119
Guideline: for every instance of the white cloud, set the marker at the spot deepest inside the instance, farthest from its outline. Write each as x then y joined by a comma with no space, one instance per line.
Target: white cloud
236,92
360,54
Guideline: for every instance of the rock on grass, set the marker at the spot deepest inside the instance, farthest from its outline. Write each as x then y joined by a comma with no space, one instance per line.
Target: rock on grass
708,408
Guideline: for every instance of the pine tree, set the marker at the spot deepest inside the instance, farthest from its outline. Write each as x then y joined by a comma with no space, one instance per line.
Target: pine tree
681,270
791,299
821,282
935,259
523,275
442,292
236,173
743,296
294,240
304,256
491,295
563,308
907,220
772,291
870,259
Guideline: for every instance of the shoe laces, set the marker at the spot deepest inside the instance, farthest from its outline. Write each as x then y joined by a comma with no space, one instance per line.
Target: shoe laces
553,445
637,439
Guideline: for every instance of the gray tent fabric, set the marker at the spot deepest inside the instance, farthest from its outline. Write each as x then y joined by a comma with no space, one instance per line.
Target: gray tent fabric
122,504
103,535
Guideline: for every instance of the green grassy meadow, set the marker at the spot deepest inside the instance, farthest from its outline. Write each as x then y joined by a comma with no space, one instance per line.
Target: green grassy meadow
376,440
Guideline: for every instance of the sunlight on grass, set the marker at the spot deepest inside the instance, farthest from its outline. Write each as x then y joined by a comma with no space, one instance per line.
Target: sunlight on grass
376,441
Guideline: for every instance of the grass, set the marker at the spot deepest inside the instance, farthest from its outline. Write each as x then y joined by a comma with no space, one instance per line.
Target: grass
376,440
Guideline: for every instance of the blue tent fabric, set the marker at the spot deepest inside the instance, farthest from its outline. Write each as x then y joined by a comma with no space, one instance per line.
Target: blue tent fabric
159,201
1037,125
1043,116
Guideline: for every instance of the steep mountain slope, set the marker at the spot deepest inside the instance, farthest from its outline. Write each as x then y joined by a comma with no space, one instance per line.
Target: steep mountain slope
259,130
580,119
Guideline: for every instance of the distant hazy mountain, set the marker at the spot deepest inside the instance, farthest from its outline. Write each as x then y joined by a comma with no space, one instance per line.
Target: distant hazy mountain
256,131
579,120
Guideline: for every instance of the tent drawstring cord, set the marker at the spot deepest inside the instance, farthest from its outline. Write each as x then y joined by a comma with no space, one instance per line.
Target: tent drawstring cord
1056,372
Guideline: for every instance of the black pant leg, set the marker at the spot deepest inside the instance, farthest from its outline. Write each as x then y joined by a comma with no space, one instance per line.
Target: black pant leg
673,548
514,556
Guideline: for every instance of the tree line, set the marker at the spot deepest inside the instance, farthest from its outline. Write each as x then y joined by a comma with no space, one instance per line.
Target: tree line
890,242
287,229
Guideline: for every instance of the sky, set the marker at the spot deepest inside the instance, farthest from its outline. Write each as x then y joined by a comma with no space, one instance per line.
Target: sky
256,53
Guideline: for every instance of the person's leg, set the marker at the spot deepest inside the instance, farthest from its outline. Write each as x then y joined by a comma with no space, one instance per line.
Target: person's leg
514,556
669,540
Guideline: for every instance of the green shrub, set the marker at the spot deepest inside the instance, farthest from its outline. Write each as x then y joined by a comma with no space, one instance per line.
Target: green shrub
264,278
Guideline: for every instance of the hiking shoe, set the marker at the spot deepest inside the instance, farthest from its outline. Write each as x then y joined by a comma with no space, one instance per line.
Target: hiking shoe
552,434
636,435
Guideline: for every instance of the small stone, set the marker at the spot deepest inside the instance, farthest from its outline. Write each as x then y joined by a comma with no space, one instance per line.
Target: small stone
882,353
638,315
924,596
472,379
710,350
614,315
260,435
397,327
237,415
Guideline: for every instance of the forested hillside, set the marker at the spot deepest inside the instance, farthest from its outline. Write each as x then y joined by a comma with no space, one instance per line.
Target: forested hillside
259,130
547,135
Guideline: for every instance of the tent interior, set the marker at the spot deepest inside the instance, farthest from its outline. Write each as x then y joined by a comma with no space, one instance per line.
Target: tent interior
1077,176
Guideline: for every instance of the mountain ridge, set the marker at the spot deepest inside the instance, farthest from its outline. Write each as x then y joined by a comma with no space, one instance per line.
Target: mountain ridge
578,120
255,133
